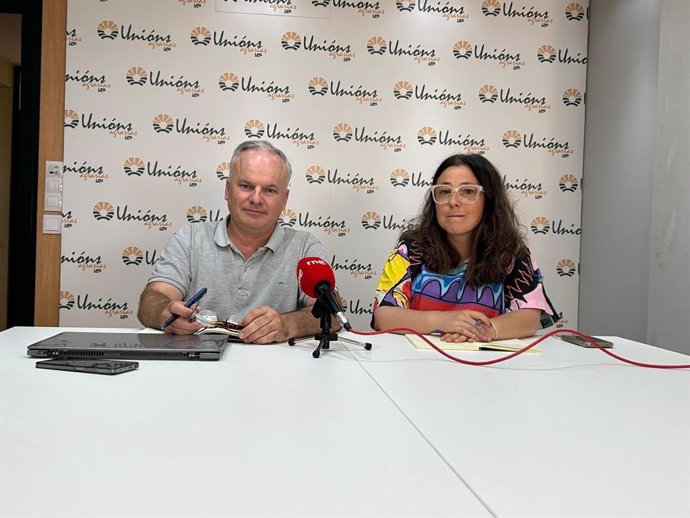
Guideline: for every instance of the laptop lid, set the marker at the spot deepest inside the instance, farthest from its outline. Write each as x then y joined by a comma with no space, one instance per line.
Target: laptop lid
132,346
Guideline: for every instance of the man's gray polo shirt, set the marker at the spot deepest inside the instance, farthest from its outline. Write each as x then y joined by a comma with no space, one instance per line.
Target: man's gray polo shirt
201,255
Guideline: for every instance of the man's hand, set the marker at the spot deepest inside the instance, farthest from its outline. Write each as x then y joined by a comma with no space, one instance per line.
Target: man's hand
185,323
263,325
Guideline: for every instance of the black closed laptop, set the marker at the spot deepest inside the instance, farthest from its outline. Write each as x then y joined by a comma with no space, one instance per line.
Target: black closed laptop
131,346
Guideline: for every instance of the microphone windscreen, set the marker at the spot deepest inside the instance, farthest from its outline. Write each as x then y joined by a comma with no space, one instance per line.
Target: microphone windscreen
312,271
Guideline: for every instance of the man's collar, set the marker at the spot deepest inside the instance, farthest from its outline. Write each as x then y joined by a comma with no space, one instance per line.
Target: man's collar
222,239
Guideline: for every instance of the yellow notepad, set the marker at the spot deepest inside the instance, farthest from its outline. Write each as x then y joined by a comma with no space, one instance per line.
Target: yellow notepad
496,345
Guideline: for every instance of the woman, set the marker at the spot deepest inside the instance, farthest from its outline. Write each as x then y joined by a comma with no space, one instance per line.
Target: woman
463,269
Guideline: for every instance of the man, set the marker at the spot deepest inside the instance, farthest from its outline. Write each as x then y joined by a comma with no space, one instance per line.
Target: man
247,261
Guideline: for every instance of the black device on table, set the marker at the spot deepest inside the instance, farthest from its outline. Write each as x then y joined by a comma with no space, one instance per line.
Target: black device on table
94,366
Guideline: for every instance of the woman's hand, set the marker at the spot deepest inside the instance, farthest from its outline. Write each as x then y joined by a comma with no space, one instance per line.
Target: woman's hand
465,326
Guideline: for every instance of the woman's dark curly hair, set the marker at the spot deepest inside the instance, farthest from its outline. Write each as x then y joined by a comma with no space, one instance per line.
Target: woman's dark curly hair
497,238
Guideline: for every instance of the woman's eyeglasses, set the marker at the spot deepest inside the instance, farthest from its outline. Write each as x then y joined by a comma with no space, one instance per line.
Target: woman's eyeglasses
466,193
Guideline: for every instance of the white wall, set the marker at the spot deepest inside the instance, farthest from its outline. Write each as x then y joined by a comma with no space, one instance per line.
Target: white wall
635,178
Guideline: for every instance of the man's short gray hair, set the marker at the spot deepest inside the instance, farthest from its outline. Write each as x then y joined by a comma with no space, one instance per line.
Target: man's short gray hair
249,145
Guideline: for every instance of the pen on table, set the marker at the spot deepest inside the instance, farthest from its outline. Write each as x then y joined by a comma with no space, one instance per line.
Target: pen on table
195,298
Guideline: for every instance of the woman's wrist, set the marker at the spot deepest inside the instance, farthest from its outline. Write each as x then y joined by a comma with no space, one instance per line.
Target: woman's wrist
495,330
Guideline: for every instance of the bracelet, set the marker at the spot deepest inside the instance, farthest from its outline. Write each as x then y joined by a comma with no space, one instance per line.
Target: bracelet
496,330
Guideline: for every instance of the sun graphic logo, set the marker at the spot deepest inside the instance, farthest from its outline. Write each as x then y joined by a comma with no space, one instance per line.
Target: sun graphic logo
291,41
427,136
540,225
399,178
315,174
511,138
223,170
107,30
132,256
66,300
103,210
134,166
376,45
546,54
462,50
71,119
196,214
405,5
568,183
491,7
228,81
342,132
200,36
318,86
566,268
163,123
288,218
320,3
136,76
572,97
574,12
488,94
371,220
402,90
254,128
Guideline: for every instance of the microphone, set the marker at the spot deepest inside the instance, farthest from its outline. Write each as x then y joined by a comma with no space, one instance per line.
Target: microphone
316,278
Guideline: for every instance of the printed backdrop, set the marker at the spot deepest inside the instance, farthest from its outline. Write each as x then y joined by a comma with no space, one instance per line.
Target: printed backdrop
365,97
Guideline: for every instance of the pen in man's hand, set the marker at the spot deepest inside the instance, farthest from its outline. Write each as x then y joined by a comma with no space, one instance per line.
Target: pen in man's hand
195,298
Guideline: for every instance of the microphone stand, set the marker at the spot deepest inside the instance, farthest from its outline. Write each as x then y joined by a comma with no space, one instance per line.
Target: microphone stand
325,337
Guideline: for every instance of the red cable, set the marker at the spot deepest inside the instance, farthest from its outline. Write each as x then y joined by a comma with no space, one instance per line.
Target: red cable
524,349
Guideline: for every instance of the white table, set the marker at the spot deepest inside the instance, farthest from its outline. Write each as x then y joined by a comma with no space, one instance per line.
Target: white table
271,431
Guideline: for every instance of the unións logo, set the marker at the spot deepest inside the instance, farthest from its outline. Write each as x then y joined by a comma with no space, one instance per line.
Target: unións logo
513,139
73,38
315,174
114,127
104,211
525,187
194,3
572,97
371,220
292,41
135,166
66,300
164,123
353,267
88,80
568,183
343,132
490,94
362,95
406,6
132,256
429,136
86,171
255,128
137,76
229,82
84,261
223,171
197,214
566,268
109,30
574,12
363,7
109,307
135,256
405,90
288,218
401,178
506,58
202,36
377,46
548,54
529,14
541,225
447,11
